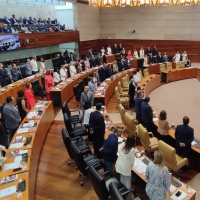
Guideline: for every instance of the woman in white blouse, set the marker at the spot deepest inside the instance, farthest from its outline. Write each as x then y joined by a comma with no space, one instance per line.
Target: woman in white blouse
135,53
115,67
42,65
102,51
87,64
123,51
109,50
184,56
56,77
63,73
145,60
125,162
72,69
177,57
142,52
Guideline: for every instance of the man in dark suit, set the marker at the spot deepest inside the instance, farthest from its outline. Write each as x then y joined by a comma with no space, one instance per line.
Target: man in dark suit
6,21
148,51
121,65
15,73
154,51
97,128
11,115
159,58
184,135
127,63
3,76
147,114
131,92
108,71
62,58
120,48
13,20
92,62
102,73
98,59
115,49
138,104
151,59
90,53
68,57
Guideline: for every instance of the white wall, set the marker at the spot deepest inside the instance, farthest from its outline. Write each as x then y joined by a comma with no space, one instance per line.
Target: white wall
21,9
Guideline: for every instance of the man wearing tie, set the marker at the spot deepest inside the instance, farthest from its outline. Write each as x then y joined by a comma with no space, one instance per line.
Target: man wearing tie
159,58
102,73
115,49
86,96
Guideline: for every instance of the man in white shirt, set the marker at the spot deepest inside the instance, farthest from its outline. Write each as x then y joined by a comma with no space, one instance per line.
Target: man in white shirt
34,65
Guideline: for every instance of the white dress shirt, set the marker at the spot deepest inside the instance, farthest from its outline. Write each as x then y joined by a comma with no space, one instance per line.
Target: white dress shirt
87,116
135,54
63,75
56,77
177,57
34,65
139,77
109,51
72,70
142,53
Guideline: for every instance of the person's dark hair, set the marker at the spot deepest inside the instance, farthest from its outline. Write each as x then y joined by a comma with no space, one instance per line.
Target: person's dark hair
87,105
55,69
129,143
9,99
147,99
138,88
41,58
20,93
130,77
98,106
27,85
137,69
186,120
163,115
115,130
89,78
135,72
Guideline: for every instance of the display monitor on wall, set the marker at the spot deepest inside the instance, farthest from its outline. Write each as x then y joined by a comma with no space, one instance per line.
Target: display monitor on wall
9,42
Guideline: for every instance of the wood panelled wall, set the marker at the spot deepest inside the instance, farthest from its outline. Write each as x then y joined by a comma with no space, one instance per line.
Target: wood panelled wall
48,39
170,46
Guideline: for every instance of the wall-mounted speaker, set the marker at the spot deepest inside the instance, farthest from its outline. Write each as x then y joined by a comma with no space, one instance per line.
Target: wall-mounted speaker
133,31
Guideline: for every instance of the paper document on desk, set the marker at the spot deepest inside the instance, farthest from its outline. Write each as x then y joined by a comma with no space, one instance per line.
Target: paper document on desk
29,124
22,130
181,197
16,145
120,139
31,115
141,169
172,188
193,143
11,166
18,159
155,119
137,162
8,191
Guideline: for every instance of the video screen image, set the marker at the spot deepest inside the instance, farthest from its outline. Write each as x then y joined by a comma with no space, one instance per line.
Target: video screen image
9,42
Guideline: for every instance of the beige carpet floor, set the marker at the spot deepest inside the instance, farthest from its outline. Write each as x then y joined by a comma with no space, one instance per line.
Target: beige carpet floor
195,184
179,99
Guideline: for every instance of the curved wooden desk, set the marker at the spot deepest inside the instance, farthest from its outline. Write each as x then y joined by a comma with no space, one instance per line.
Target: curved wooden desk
107,87
13,88
38,135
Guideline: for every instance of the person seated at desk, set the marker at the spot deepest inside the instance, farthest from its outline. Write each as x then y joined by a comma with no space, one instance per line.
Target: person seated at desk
129,55
148,51
135,54
163,126
21,104
159,58
115,67
154,51
151,59
158,178
91,85
63,73
165,57
29,96
121,65
109,50
115,49
142,52
145,60
6,20
125,162
92,62
72,69
177,57
2,158
49,83
15,73
184,135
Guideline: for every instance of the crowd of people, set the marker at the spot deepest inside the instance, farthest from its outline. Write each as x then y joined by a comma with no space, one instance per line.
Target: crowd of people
30,25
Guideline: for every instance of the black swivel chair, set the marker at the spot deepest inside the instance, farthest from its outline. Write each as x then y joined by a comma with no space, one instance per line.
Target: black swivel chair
77,93
74,131
23,71
37,89
82,162
75,119
101,185
82,146
115,193
85,81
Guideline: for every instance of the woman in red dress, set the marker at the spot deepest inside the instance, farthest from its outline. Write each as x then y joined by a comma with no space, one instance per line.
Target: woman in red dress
129,54
49,83
29,96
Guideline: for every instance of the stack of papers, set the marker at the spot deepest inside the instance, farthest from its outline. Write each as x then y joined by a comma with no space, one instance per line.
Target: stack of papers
31,115
141,169
18,139
16,145
137,162
11,166
17,153
30,123
23,130
18,159
8,191
9,179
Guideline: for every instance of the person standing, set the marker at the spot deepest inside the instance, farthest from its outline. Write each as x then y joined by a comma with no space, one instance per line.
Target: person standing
147,114
75,55
115,49
21,104
138,104
90,53
87,64
15,73
3,76
125,162
131,93
158,178
109,150
184,56
91,85
49,83
177,57
92,62
63,73
184,135
34,65
142,52
29,96
28,68
102,73
11,115
95,79
72,69
42,65
97,128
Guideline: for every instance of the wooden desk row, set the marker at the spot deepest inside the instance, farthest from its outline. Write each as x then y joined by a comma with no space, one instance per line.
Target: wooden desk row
13,88
28,171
